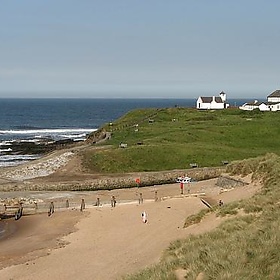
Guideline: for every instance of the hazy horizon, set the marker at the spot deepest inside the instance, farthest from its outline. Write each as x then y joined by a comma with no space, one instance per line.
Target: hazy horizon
132,97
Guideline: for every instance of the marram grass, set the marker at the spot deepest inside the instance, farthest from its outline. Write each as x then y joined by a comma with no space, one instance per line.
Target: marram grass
242,247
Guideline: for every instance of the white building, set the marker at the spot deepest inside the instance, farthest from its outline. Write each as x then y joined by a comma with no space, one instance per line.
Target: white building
270,106
250,106
272,103
274,96
212,103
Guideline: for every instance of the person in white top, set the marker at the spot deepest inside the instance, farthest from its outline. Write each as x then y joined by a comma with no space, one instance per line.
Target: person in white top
144,217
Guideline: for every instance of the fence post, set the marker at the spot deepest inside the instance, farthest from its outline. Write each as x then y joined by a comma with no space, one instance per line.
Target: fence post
156,196
83,205
36,206
98,201
51,209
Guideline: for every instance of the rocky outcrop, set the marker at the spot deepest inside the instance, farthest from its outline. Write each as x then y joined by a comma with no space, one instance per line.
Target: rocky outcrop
229,182
97,136
38,168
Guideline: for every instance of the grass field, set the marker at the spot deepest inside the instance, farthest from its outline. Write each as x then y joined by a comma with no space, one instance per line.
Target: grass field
172,138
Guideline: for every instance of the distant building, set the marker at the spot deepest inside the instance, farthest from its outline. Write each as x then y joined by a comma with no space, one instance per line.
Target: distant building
270,106
212,103
274,96
272,103
250,106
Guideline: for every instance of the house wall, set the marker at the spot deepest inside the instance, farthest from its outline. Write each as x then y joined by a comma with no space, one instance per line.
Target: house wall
273,99
264,107
207,106
215,105
201,105
271,107
275,107
247,107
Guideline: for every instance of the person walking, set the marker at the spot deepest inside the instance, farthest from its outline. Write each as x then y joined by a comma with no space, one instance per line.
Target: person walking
113,201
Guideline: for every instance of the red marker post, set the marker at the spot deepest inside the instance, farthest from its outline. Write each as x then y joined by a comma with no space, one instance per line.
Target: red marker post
182,187
137,180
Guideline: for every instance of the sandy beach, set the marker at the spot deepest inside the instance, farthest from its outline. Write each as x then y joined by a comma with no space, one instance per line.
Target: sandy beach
105,242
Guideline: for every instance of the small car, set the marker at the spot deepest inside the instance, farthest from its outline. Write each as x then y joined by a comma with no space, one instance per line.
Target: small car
183,180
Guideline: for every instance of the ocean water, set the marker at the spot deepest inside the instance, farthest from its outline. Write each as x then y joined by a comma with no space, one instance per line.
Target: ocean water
30,120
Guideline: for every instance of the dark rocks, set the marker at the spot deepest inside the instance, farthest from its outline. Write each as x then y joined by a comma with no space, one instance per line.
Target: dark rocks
229,182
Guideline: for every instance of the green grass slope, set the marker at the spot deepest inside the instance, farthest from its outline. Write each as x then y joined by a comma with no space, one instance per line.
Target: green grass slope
172,138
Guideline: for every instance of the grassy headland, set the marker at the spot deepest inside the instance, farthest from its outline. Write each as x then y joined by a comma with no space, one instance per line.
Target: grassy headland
172,138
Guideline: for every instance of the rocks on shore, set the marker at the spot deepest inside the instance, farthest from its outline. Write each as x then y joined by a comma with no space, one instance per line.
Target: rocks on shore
38,169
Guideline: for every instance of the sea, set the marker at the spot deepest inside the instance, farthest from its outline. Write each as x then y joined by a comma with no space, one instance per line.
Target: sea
30,120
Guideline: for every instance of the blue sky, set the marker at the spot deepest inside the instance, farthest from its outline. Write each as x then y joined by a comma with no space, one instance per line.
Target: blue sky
128,48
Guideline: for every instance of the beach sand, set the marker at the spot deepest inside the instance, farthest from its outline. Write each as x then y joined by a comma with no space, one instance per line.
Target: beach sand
104,242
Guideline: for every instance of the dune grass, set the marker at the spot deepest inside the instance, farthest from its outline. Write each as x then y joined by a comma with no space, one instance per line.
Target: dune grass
242,247
172,138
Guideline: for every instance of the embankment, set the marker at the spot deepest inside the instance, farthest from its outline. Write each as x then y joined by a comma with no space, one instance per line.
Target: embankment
114,181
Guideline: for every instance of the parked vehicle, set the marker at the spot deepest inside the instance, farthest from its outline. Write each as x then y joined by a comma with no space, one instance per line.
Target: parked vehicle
184,179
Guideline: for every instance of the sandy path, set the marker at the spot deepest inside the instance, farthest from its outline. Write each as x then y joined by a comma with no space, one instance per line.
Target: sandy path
110,243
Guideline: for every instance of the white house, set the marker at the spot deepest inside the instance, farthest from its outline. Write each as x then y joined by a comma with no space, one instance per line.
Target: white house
264,107
274,96
250,106
272,103
214,102
270,106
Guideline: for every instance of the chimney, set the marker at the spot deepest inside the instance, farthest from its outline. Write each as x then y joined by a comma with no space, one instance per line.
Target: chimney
223,96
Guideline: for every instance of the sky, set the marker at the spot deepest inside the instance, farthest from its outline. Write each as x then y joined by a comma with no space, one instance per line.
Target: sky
139,48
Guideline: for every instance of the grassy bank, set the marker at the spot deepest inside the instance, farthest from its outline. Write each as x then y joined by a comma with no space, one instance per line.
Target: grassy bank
172,138
243,247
